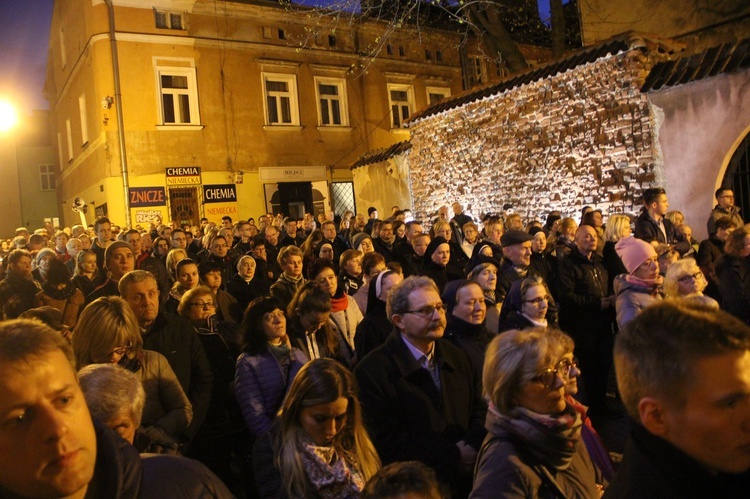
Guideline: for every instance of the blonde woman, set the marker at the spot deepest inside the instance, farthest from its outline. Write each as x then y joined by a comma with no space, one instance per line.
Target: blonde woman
318,446
686,280
618,227
108,333
173,258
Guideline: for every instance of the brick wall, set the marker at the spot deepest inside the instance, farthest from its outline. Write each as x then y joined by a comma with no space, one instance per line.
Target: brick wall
582,137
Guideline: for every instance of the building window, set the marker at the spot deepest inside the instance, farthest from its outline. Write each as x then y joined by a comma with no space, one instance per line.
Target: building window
84,120
332,108
438,55
282,34
331,40
281,99
437,94
476,71
47,177
401,51
402,103
428,55
69,134
389,49
169,20
178,92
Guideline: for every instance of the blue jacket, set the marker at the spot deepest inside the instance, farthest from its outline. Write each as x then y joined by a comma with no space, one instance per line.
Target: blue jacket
260,387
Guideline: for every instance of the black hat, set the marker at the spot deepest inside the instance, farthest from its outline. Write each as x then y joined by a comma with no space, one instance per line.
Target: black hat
512,237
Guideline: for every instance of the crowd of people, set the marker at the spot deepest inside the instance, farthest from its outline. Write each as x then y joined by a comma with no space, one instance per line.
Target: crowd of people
354,356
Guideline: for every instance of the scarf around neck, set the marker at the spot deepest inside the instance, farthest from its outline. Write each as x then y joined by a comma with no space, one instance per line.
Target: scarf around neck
332,474
652,284
551,439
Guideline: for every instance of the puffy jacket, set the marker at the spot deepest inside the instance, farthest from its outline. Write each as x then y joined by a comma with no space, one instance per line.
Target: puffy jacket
632,298
581,284
260,387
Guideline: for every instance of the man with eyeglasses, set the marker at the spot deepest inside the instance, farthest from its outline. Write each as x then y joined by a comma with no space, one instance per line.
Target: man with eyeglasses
174,338
219,254
724,208
421,396
180,241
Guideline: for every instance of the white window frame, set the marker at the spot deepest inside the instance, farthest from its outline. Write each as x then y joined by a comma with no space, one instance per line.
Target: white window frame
69,135
170,24
60,149
291,94
47,171
399,87
444,91
340,84
84,119
191,92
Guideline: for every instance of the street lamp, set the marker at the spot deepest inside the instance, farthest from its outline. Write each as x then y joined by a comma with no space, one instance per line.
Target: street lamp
8,116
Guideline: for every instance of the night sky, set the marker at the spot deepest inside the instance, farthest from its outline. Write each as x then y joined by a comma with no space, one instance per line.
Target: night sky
24,36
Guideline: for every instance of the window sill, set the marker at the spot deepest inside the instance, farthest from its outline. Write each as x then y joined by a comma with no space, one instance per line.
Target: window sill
334,128
400,131
179,127
283,128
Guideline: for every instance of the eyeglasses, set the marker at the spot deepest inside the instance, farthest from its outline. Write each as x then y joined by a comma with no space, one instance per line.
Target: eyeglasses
203,304
538,300
691,277
427,311
121,351
548,377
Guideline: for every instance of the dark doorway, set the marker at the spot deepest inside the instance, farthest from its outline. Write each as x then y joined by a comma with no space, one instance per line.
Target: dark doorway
183,205
295,198
737,177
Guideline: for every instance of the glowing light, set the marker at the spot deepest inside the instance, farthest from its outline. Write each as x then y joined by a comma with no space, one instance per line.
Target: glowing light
8,116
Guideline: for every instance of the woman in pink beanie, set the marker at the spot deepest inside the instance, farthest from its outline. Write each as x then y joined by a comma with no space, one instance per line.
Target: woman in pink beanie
641,286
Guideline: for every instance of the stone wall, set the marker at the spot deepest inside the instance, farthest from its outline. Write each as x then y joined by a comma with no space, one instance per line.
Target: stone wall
582,137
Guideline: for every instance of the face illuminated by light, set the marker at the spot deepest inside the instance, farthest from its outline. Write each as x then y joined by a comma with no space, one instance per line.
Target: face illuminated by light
292,266
322,422
470,306
442,254
326,280
487,278
46,424
187,276
535,303
247,268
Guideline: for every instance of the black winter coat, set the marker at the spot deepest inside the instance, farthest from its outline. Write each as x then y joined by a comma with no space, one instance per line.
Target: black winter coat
408,419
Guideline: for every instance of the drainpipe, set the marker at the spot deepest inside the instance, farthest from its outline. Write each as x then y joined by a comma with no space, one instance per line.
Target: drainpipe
118,107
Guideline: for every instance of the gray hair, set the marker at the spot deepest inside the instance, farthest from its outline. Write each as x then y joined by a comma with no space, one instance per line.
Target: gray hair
133,277
288,251
398,297
111,391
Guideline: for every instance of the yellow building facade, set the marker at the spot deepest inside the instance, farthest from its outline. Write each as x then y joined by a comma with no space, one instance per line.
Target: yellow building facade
227,107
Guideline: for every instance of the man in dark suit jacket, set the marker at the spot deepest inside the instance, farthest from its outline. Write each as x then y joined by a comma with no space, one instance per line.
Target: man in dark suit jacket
420,396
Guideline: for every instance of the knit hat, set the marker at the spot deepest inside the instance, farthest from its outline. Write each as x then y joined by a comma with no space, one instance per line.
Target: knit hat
115,246
44,252
514,236
358,238
633,252
432,247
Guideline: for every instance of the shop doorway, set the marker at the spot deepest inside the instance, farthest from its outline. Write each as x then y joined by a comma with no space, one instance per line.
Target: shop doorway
183,205
295,198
